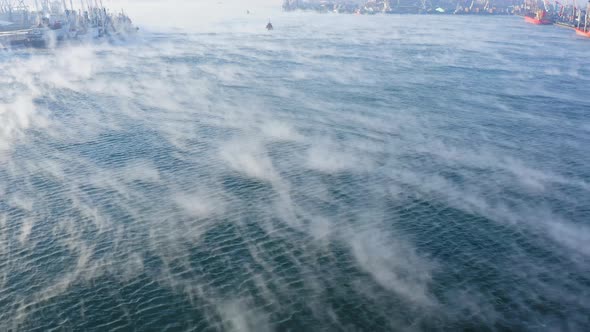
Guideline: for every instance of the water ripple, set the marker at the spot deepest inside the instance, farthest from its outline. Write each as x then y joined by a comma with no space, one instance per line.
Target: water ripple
320,178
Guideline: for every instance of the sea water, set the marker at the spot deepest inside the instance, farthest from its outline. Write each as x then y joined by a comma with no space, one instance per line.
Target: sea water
340,173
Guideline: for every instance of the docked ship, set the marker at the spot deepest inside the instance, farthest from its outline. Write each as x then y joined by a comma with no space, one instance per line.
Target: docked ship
565,14
538,18
538,13
15,22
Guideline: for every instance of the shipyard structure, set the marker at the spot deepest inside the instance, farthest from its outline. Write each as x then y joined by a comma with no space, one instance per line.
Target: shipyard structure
483,7
560,9
50,23
565,13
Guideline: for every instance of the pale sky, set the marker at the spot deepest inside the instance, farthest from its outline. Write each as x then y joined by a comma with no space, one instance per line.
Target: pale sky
191,13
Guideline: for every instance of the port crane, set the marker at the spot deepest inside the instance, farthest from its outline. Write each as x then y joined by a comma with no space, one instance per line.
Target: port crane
10,6
15,11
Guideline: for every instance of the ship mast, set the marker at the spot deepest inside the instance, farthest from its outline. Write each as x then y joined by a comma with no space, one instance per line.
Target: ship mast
574,12
5,6
38,12
547,5
45,6
586,18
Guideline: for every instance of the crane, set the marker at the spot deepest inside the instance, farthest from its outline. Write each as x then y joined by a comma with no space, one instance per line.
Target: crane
14,10
6,6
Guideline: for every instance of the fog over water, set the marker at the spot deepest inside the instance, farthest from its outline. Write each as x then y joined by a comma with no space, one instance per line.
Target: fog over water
339,173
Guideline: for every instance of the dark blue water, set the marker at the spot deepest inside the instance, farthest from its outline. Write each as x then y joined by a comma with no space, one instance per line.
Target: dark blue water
341,173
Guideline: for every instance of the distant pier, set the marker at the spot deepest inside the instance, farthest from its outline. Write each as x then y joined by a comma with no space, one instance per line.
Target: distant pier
435,7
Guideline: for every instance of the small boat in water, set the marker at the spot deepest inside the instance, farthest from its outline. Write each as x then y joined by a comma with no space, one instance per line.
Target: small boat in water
269,26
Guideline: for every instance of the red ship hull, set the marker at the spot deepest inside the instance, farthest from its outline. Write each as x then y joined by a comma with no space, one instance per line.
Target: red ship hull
583,33
537,21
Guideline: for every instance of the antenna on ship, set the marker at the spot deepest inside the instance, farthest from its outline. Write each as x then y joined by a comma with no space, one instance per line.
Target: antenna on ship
6,8
38,12
45,7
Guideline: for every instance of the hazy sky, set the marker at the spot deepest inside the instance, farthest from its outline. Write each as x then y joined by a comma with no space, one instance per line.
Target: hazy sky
212,5
181,11
191,14
187,13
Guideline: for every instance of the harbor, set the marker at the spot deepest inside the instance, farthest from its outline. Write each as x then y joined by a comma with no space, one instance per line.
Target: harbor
50,23
371,7
538,12
330,172
566,15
